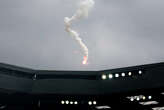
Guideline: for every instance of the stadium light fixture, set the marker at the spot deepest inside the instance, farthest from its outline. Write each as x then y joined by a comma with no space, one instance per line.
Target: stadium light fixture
67,102
140,72
131,99
103,76
130,73
94,102
123,74
62,102
143,97
90,103
75,102
137,98
116,75
149,97
71,102
110,76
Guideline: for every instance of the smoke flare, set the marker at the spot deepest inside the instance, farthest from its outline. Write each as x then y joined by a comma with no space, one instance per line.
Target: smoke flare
82,12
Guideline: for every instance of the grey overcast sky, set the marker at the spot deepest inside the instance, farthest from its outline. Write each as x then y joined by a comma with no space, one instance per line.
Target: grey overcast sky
118,33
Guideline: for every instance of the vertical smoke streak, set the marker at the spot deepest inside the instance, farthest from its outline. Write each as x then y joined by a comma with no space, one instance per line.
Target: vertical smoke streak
82,11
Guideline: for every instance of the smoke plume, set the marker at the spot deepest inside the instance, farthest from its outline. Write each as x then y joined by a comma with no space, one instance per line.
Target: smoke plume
82,12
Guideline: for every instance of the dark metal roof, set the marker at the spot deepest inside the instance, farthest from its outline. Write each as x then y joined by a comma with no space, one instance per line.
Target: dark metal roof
17,68
22,88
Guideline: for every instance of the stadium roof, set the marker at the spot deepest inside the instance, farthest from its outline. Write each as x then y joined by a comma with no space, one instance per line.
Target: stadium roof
138,87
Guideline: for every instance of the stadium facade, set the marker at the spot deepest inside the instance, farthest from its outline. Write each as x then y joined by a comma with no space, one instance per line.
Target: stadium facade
138,88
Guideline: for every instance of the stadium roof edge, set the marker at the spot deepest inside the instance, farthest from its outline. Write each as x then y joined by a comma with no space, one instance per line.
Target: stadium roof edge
15,67
30,70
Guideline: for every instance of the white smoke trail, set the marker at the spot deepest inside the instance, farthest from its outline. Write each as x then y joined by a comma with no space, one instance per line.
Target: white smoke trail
82,11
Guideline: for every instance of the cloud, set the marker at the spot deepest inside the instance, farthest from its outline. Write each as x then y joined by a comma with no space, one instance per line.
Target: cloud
117,33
